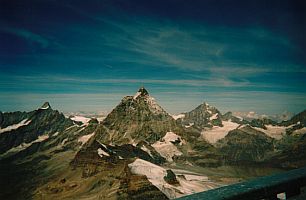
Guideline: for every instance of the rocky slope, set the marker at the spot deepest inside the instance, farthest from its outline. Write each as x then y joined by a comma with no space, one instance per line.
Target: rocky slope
245,144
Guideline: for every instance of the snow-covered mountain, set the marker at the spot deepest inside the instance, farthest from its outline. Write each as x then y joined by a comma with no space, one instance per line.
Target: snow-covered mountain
138,151
139,128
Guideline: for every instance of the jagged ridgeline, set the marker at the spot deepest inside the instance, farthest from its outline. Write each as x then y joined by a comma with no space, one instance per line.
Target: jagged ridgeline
137,151
24,127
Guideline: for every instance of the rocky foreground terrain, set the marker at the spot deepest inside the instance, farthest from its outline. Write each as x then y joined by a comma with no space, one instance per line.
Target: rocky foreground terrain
139,151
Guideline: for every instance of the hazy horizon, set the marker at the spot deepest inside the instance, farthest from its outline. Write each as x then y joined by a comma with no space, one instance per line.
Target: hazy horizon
236,55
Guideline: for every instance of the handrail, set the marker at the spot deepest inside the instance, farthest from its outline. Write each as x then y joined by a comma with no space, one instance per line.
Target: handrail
266,187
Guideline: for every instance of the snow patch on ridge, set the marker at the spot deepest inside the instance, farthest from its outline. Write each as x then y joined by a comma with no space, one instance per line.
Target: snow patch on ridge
299,131
171,137
216,133
144,148
166,148
102,153
83,139
276,132
215,116
179,116
45,107
82,119
136,95
15,126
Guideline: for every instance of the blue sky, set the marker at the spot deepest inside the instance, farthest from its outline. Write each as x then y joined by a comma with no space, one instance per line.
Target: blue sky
236,55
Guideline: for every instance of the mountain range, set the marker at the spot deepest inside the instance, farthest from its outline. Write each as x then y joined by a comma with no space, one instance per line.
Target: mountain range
139,151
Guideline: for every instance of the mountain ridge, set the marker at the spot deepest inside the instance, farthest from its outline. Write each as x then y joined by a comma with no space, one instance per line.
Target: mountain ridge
111,158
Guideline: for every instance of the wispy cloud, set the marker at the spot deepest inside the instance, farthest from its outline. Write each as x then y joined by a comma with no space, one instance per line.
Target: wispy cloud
27,35
221,51
209,82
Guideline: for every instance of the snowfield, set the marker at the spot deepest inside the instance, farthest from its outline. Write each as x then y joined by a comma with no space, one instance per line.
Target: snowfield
15,126
179,116
82,119
189,183
165,147
144,148
216,133
215,116
102,153
276,132
299,131
83,139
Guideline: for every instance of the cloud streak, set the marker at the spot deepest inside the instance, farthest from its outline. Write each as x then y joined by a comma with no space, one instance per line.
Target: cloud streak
107,47
27,35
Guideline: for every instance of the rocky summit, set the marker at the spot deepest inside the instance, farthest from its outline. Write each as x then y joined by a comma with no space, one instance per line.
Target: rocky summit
137,118
202,116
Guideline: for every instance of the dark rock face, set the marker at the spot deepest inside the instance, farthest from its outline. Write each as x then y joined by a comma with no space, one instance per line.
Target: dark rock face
170,177
1,118
89,154
245,145
291,152
202,116
229,116
298,121
143,91
300,117
261,123
10,118
93,121
258,123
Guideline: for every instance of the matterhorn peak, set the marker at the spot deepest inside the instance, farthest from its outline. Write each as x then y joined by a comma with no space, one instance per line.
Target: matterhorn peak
45,106
141,92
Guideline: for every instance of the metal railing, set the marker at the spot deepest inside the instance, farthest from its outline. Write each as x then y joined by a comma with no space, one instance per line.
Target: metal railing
267,187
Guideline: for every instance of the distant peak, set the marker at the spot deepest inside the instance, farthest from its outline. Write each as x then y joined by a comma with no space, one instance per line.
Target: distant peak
141,92
45,106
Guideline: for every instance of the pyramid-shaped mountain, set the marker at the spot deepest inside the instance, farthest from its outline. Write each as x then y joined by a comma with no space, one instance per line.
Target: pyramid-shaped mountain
137,118
202,116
